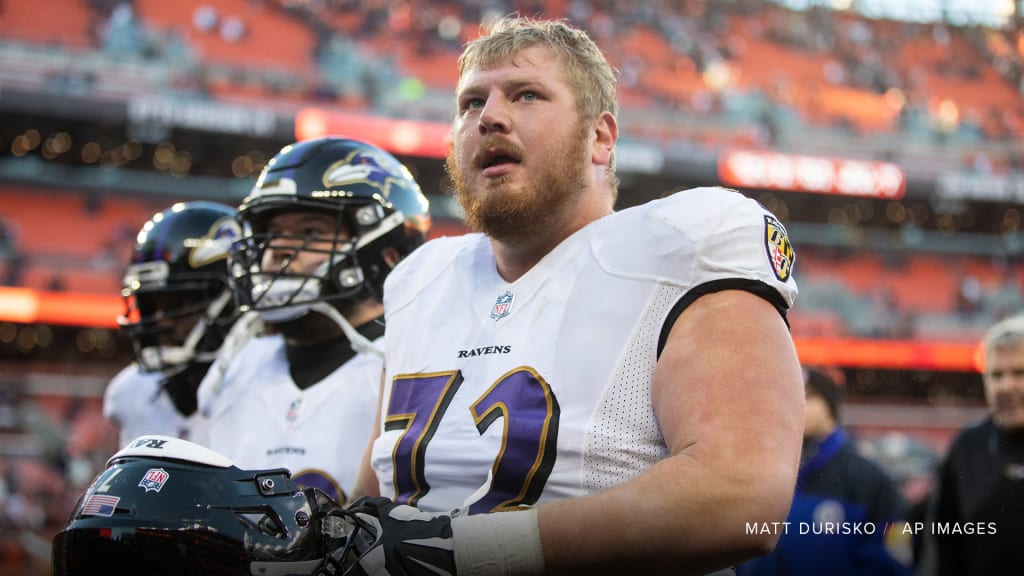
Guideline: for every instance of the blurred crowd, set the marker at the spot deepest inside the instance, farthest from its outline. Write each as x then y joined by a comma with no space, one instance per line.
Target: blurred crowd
51,449
704,60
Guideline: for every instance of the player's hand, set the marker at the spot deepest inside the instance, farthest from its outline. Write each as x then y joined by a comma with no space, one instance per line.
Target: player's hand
388,539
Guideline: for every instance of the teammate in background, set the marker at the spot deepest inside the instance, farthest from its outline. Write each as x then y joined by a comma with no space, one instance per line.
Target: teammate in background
321,229
976,521
838,490
621,385
178,310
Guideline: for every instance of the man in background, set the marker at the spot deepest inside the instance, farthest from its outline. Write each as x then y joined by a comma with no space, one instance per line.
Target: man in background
976,520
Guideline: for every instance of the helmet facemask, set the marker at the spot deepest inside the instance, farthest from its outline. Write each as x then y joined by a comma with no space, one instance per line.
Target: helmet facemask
172,322
342,277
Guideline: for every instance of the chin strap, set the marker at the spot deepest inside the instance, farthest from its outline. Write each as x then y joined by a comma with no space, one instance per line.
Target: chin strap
158,357
213,312
359,342
247,325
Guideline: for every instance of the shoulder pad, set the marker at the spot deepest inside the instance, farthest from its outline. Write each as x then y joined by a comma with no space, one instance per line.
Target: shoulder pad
423,265
697,236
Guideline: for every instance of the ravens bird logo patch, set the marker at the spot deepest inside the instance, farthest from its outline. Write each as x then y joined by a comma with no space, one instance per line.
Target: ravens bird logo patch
780,251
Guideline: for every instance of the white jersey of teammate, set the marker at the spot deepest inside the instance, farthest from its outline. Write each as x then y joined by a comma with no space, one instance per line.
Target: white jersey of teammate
134,402
501,394
259,418
213,390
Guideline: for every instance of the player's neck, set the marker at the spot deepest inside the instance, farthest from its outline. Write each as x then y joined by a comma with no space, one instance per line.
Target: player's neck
363,312
515,257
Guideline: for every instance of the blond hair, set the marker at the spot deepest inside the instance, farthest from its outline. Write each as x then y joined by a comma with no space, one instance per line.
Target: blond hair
587,71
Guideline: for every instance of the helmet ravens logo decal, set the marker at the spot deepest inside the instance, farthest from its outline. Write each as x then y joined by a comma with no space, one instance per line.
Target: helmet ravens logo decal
364,167
216,244
780,252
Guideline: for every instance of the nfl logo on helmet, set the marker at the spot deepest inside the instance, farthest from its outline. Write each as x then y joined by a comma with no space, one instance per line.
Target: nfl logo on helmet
154,479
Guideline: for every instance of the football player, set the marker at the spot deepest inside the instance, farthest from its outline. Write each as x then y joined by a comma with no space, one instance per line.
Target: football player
321,229
179,309
577,390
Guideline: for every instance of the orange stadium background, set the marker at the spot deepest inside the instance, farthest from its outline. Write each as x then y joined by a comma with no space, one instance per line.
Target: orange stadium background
890,145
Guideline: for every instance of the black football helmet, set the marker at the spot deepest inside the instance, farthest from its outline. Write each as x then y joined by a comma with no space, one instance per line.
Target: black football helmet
165,506
178,303
376,205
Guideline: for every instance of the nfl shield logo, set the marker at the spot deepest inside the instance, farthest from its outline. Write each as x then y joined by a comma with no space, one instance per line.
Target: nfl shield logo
154,479
502,306
293,410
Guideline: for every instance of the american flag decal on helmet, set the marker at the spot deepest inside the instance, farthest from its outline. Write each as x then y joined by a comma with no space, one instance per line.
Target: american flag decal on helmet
780,251
100,505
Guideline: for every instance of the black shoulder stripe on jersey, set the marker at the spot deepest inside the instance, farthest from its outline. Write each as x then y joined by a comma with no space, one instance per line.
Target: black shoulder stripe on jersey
755,287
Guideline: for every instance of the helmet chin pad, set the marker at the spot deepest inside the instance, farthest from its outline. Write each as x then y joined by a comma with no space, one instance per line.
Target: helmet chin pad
160,358
279,298
282,299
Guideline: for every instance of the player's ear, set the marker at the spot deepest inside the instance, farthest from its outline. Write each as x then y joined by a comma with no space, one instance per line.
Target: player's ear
606,132
390,256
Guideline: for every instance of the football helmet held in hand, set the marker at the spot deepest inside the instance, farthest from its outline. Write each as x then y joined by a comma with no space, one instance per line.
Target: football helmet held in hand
382,538
165,506
388,539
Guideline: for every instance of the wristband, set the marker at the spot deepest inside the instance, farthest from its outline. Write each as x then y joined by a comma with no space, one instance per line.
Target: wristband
500,543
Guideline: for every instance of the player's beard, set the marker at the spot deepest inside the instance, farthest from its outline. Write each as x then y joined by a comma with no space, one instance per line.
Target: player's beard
551,186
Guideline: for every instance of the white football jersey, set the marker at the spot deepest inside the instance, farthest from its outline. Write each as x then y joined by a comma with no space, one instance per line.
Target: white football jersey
134,402
503,394
260,419
223,379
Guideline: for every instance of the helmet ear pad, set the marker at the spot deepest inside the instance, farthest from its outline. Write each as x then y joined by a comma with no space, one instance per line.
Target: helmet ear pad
379,257
367,266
